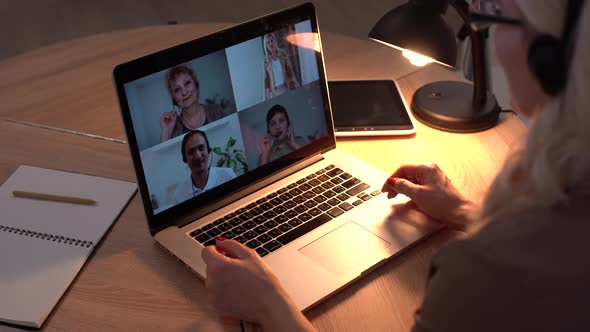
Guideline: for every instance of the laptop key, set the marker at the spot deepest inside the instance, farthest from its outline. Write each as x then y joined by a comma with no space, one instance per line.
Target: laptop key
282,190
213,232
279,209
276,201
336,180
343,197
304,229
240,239
318,190
329,167
299,199
266,206
295,192
335,172
270,214
345,176
272,246
310,204
291,214
224,227
314,182
260,229
362,186
249,225
320,198
271,224
286,197
253,244
218,221
339,189
345,206
357,202
324,206
261,251
281,219
290,204
301,208
241,210
351,183
249,235
314,212
285,228
235,221
207,227
327,185
264,238
366,197
229,235
308,194
321,171
209,243
256,211
301,181
295,222
334,201
202,237
238,230
304,187
196,232
375,193
335,211
259,220
323,178
274,232
304,217
292,185
329,193
251,205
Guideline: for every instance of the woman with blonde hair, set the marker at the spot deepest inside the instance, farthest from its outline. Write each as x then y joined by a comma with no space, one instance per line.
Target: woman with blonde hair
279,76
521,266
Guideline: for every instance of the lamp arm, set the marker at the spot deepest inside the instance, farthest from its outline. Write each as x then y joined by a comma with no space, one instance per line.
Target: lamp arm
478,54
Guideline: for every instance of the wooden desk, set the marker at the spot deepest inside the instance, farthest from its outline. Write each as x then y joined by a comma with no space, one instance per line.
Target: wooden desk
131,284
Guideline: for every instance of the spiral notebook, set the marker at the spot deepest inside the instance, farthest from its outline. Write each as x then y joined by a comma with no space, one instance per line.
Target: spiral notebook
44,244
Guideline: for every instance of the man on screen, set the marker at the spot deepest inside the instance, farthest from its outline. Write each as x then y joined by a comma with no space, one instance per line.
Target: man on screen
196,153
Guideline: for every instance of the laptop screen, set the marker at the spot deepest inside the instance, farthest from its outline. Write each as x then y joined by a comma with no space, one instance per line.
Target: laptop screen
206,126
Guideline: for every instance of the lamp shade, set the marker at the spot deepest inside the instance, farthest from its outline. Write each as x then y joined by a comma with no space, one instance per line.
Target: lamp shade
418,28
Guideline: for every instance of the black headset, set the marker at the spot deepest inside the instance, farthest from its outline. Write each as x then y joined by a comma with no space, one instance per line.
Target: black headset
187,137
549,57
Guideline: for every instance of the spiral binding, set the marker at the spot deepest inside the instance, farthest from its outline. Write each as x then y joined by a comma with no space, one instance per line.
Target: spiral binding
46,236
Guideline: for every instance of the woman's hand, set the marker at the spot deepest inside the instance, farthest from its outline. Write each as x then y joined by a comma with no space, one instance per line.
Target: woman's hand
241,286
167,123
292,142
433,193
266,147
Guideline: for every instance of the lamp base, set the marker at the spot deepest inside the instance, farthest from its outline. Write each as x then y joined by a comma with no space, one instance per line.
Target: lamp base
448,106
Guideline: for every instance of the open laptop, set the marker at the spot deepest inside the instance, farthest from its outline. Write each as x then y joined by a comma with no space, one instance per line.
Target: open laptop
263,167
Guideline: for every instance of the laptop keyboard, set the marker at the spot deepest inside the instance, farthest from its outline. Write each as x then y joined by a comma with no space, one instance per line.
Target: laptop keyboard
290,212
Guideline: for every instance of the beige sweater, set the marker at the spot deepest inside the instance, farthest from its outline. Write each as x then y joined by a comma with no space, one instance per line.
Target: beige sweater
526,272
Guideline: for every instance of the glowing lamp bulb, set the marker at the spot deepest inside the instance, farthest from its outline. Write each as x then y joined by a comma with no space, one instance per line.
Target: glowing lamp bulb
417,59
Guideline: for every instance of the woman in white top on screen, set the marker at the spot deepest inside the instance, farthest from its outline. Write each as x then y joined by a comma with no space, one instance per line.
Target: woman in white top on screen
279,75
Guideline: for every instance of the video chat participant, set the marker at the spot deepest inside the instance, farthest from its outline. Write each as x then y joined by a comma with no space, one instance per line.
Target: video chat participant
196,153
279,76
280,139
523,264
183,86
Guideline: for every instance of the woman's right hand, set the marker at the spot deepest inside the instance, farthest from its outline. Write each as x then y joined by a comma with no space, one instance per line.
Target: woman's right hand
167,123
433,193
241,286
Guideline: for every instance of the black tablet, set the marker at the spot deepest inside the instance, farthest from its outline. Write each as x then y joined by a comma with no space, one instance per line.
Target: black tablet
369,108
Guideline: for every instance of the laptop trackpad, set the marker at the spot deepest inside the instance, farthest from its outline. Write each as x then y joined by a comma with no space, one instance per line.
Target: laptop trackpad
344,248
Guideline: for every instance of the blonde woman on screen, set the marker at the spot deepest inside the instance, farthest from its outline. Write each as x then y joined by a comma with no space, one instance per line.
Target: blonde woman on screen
523,264
279,76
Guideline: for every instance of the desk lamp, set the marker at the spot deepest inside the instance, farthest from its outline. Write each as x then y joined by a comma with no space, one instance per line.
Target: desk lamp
418,29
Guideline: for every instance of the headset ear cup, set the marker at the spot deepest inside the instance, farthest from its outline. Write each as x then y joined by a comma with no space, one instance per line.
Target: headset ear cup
546,60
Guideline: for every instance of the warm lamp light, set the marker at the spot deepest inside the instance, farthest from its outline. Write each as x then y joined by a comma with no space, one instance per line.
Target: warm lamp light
419,30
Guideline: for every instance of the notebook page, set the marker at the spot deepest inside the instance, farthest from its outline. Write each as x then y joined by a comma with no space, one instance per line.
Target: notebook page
83,222
34,275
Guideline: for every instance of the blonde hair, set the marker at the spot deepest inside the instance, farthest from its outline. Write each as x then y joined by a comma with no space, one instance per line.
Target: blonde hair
553,164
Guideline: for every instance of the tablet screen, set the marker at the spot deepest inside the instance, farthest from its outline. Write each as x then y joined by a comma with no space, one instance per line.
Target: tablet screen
368,106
